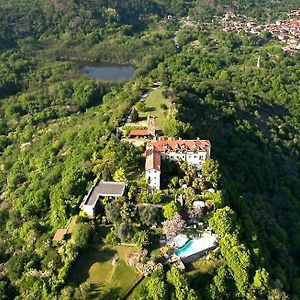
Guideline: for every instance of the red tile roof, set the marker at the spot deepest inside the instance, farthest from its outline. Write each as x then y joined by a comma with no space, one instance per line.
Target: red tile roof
172,145
59,235
139,132
153,160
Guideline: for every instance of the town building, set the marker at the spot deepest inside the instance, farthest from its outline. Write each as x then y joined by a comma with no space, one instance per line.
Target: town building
194,152
108,189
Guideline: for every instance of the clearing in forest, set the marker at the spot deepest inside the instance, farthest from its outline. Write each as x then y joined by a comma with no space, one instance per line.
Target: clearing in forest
155,105
95,267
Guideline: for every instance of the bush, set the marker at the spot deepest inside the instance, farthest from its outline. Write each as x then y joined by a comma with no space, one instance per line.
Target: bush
81,235
170,209
141,106
141,239
111,239
125,232
163,106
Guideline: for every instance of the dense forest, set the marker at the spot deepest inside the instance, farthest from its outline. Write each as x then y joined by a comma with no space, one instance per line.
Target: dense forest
251,115
57,136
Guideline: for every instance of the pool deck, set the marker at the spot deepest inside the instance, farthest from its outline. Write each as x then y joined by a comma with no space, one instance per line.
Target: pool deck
201,247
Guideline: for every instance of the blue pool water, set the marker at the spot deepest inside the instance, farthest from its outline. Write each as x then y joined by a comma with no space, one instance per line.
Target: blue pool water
180,240
187,250
195,246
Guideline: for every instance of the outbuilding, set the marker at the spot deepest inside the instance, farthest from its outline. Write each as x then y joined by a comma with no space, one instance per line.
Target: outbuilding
108,189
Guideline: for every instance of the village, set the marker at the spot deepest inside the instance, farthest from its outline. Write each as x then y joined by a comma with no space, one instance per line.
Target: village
170,232
287,30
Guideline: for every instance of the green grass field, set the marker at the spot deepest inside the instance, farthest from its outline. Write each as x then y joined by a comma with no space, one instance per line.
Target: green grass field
153,105
95,267
202,265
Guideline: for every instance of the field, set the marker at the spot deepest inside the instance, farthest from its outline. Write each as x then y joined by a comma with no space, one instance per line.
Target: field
201,271
95,267
153,107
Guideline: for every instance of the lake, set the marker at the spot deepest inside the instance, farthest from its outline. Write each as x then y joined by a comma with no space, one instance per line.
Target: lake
110,72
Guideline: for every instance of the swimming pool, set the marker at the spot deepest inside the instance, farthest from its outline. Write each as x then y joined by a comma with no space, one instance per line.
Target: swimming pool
195,246
180,240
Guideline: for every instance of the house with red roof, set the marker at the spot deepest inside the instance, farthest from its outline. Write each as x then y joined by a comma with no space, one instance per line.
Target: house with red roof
140,133
194,152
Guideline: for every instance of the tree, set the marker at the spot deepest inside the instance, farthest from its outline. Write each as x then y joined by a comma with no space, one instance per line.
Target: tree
120,175
195,214
3,290
113,211
173,227
261,280
17,263
82,291
163,106
210,172
134,115
219,285
111,238
124,232
141,106
156,286
141,239
128,212
170,209
81,234
174,127
224,221
148,215
181,288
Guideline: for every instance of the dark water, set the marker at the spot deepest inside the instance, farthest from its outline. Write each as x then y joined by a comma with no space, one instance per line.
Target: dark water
111,72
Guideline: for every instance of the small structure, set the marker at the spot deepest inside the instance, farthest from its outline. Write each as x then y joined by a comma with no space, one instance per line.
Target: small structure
152,125
199,204
103,189
140,133
115,260
59,235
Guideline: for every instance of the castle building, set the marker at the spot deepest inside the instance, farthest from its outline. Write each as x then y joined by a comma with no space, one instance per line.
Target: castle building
194,152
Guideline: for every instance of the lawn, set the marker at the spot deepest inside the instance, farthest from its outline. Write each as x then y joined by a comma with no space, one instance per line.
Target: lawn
153,108
95,267
201,271
202,265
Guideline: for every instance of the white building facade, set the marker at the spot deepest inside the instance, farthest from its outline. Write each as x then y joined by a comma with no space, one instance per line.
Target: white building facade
153,162
108,189
153,178
194,152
